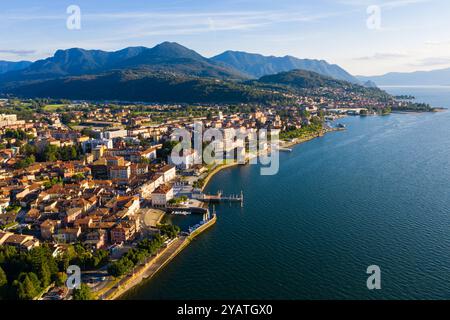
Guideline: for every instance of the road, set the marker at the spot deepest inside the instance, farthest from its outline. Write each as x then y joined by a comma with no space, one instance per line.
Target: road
147,271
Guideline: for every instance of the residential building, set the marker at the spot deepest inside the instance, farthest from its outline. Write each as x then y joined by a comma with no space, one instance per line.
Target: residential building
123,232
162,195
67,235
120,172
168,173
184,161
48,228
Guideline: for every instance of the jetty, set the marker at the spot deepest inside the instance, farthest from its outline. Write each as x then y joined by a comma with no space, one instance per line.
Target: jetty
219,197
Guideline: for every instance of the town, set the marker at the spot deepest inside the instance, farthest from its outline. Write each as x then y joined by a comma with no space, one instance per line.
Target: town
91,184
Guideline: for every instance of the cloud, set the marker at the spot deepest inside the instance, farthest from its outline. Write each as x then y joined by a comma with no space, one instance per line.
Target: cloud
31,17
402,3
383,4
382,56
432,61
18,52
145,24
437,43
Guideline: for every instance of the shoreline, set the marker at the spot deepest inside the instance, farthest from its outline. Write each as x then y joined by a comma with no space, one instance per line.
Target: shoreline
149,270
158,262
283,144
216,171
298,141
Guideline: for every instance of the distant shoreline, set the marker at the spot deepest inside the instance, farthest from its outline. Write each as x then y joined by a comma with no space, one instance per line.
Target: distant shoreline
435,86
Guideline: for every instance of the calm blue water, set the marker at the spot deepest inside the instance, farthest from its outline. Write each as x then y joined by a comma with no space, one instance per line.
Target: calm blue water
377,193
437,96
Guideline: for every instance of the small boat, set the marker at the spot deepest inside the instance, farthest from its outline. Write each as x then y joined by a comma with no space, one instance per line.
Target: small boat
341,125
180,213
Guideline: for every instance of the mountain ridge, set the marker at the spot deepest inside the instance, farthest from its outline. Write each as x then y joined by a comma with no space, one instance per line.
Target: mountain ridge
166,72
258,65
164,87
432,77
168,56
7,66
77,61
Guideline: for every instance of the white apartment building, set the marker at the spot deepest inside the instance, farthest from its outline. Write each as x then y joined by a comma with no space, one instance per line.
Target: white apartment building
162,195
115,134
168,173
184,161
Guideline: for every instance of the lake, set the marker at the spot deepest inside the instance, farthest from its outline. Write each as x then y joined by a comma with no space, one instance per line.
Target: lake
375,194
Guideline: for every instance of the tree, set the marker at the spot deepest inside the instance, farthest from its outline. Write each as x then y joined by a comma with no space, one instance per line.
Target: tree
78,177
3,283
66,118
50,153
89,132
386,111
121,267
61,279
84,293
316,120
26,162
28,272
169,230
44,265
49,183
27,286
305,114
88,260
321,114
15,134
166,150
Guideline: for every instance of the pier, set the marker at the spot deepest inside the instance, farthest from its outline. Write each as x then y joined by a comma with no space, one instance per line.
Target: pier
220,197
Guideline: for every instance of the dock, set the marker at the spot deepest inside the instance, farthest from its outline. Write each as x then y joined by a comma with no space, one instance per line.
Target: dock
220,197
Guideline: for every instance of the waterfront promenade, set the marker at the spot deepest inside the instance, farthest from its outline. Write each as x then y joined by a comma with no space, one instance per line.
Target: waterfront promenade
154,264
217,170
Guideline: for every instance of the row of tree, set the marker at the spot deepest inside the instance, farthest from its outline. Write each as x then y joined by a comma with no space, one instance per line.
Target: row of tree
15,134
53,153
305,131
25,275
132,258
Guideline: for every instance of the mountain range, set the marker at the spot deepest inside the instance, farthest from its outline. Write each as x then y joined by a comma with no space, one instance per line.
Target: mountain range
169,57
256,65
158,86
170,72
418,78
7,66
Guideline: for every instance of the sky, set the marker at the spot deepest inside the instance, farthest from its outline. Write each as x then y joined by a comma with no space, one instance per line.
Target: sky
365,37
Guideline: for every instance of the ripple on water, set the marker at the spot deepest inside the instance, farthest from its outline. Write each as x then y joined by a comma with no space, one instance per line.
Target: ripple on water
375,194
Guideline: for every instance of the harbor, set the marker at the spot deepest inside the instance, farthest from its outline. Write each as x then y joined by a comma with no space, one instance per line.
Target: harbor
143,273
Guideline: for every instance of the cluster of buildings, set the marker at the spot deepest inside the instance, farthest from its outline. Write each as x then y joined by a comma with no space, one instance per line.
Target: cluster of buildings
121,166
95,200
9,121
